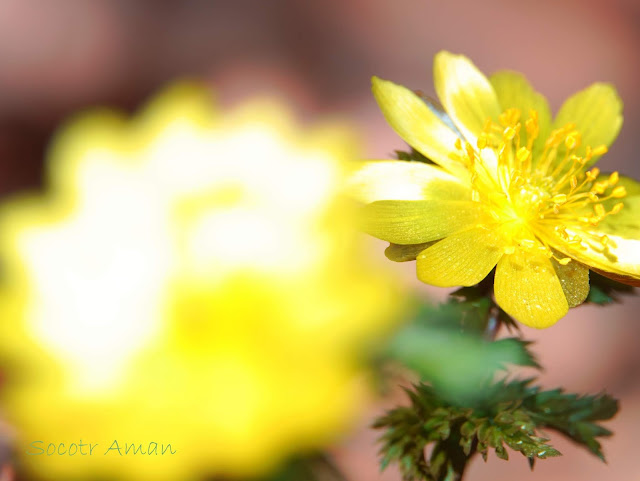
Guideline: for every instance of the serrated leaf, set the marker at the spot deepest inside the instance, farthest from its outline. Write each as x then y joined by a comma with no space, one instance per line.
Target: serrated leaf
438,461
501,452
466,444
468,429
485,432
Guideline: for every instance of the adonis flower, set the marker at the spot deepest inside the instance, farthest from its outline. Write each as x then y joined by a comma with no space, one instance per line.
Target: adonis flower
192,278
509,188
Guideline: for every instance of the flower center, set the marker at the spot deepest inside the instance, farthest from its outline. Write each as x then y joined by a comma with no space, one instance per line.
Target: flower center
540,191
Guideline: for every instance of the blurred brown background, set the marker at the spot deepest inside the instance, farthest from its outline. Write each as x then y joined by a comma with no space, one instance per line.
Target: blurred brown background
59,56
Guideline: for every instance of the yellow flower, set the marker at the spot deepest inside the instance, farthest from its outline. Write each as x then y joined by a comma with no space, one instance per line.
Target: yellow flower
191,279
510,188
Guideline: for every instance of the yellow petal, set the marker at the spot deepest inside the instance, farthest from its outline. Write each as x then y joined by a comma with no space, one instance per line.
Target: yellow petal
515,92
415,222
625,223
400,180
462,259
417,124
597,113
620,256
465,93
574,279
528,289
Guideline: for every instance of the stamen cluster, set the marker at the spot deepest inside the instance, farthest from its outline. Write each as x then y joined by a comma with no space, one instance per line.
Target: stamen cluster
536,190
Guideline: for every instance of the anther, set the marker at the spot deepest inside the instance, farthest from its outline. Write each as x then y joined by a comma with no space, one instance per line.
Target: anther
613,178
562,232
509,117
599,187
600,150
575,241
509,133
593,174
573,140
523,154
564,261
559,199
619,192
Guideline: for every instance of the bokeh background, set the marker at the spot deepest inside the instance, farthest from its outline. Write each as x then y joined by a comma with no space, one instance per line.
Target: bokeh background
61,56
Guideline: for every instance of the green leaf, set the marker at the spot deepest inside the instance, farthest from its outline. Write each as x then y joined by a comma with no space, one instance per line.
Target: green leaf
606,291
574,416
456,363
510,417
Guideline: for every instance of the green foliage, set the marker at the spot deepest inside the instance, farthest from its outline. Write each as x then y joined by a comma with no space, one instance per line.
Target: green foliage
606,291
573,415
446,346
481,292
510,416
451,345
459,409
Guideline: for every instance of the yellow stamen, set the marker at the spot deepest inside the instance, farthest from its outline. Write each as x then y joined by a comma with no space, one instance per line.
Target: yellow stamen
600,150
533,193
619,192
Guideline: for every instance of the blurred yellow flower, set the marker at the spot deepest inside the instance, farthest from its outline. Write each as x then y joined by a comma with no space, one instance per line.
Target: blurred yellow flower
192,279
509,188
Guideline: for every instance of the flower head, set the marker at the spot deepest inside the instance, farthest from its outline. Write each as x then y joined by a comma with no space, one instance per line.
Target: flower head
510,188
191,278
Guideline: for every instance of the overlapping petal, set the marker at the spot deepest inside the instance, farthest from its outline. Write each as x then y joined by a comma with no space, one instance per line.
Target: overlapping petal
574,279
415,222
515,92
528,289
417,124
462,259
625,223
621,253
465,93
399,180
620,256
597,113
